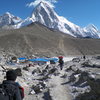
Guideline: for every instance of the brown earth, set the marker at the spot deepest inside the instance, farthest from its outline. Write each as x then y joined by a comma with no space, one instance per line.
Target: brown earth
38,39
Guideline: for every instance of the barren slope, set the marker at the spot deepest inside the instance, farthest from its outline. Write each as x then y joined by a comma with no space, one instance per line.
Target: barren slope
38,39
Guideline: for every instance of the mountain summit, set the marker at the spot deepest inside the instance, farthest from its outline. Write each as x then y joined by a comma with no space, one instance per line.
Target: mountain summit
45,15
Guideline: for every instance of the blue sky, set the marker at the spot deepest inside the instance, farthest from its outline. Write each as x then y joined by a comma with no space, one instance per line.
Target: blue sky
80,12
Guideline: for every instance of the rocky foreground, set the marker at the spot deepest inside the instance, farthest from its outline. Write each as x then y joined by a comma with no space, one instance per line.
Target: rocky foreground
79,79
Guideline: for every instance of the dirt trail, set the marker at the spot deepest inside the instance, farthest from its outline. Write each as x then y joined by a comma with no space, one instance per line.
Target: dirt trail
28,43
61,45
58,91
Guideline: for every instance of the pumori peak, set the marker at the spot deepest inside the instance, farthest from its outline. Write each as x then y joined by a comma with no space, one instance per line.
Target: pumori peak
46,15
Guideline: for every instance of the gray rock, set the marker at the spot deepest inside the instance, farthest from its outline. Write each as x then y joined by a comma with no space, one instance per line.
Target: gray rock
36,88
18,71
76,60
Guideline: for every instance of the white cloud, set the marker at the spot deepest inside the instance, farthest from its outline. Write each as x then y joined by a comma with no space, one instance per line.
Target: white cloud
36,2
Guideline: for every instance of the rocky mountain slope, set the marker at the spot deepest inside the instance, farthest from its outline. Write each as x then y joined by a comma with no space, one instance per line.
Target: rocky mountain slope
38,39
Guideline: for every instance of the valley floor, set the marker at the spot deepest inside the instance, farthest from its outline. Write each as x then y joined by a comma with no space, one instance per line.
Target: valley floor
79,79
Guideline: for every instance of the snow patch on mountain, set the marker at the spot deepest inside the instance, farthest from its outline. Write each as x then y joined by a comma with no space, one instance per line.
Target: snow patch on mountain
24,23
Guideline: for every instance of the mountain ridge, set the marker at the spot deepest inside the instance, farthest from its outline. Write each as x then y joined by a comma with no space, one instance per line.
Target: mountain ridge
46,15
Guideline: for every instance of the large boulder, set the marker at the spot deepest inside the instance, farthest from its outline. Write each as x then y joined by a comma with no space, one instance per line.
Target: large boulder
52,71
36,88
25,68
95,85
76,60
82,78
94,93
18,72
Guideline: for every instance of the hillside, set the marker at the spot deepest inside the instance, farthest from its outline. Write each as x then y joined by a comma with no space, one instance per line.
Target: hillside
38,39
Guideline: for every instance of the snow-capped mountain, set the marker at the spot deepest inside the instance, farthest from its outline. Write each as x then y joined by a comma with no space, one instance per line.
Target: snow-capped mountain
91,30
25,22
9,19
46,15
